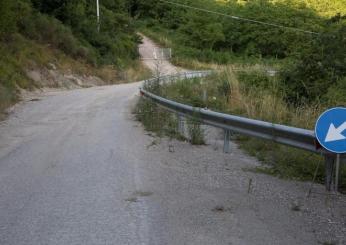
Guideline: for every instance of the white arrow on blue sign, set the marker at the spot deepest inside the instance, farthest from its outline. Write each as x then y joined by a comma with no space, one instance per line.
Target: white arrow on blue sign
330,130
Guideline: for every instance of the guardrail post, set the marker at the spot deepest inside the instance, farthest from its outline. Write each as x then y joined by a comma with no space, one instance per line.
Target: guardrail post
205,96
181,130
227,138
329,167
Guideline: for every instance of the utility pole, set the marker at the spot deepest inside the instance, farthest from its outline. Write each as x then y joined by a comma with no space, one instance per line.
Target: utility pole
98,15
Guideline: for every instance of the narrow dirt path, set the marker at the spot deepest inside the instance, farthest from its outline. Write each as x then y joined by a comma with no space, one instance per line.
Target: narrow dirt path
75,168
160,66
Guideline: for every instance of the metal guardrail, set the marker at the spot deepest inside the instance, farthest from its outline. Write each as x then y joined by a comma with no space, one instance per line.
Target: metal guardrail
291,136
296,137
182,75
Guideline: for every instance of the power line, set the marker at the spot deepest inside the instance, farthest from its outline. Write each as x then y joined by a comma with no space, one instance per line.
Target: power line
241,18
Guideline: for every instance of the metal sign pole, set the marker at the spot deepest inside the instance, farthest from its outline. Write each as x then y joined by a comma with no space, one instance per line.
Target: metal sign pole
337,170
330,133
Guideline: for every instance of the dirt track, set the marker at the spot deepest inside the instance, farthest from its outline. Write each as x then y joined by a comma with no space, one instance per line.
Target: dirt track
156,64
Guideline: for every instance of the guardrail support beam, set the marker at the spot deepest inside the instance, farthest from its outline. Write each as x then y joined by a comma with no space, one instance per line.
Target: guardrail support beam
329,167
227,138
181,130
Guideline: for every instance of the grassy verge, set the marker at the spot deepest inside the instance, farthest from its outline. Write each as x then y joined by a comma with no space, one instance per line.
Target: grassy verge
256,95
163,123
156,119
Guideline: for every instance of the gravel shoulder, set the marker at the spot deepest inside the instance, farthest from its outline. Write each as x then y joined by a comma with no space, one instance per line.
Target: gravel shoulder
76,168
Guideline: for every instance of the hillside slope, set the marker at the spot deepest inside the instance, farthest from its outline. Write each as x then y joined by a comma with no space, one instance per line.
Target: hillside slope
41,48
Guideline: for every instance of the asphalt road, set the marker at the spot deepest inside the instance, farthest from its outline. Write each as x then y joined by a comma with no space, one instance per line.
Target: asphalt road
67,164
75,168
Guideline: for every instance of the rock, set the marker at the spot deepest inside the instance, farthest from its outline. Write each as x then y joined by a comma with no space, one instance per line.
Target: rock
52,66
35,76
74,79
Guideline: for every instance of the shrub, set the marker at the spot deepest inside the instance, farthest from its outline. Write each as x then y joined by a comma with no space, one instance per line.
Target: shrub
7,18
48,30
321,67
196,133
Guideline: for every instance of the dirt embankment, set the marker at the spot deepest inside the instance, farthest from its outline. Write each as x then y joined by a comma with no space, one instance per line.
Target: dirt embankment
54,78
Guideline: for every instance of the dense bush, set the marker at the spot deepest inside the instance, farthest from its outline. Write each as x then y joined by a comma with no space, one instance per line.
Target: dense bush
115,43
71,26
7,18
321,69
207,31
48,30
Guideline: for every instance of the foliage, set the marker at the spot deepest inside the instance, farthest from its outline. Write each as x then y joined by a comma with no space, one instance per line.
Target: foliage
321,69
45,29
205,31
7,18
71,26
115,43
196,133
156,119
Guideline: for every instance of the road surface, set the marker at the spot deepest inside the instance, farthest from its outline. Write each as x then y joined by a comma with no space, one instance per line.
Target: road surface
76,168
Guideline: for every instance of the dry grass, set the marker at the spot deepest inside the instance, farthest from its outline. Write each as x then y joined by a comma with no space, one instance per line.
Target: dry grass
194,64
269,105
137,72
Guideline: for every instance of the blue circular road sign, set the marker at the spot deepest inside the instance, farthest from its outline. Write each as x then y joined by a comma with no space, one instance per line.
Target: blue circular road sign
330,130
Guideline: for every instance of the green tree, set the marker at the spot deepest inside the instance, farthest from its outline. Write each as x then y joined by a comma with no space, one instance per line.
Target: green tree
202,32
321,67
7,18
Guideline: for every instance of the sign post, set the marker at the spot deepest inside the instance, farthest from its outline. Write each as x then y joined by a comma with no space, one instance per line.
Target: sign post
337,168
330,132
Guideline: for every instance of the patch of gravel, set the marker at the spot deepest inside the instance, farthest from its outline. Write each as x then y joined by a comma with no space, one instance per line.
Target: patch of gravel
256,201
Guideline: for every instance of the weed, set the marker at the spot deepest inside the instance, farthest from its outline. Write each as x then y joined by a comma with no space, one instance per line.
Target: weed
196,133
156,119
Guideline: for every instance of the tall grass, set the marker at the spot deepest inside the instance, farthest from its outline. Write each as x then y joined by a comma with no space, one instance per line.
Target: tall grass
267,101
